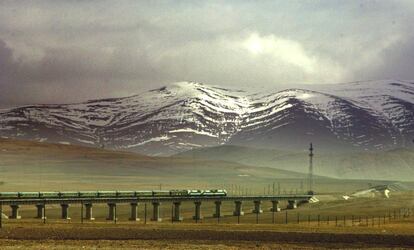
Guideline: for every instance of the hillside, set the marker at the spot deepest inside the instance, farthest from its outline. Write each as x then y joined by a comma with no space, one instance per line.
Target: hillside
48,166
352,117
394,164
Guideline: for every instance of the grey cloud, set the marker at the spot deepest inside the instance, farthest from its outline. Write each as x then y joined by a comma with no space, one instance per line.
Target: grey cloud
396,62
67,51
73,74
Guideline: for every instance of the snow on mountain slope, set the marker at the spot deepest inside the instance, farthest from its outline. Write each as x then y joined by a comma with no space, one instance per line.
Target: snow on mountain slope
164,121
392,99
293,117
186,115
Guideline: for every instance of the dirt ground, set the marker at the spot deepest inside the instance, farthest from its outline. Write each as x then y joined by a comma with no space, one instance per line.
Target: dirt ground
373,226
399,235
159,244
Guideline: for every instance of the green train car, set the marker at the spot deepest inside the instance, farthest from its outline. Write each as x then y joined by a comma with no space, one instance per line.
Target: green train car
69,194
111,194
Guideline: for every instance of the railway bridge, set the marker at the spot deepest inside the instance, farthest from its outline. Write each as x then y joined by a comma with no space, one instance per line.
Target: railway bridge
87,204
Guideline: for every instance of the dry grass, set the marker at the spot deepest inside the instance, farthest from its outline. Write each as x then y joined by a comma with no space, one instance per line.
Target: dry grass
205,236
36,166
208,234
157,244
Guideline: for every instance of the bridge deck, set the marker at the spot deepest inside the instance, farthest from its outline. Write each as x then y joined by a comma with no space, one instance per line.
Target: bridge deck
151,199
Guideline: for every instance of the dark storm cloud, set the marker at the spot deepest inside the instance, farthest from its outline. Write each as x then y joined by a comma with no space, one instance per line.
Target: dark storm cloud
70,73
66,51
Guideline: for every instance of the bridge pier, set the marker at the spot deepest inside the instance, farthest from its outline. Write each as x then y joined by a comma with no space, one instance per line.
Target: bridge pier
238,210
88,214
65,211
15,212
218,209
275,206
156,211
134,212
111,211
177,211
292,204
257,207
40,211
197,212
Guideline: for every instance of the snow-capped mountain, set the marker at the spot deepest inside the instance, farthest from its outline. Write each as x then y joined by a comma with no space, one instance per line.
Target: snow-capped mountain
186,115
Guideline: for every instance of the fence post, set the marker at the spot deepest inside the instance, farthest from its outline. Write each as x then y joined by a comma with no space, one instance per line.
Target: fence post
81,212
145,213
1,214
115,219
273,212
44,211
286,217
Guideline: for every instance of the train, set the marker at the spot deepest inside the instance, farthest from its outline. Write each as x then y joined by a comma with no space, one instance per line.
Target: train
112,194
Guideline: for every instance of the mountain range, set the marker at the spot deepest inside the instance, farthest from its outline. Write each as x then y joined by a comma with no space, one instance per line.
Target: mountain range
358,116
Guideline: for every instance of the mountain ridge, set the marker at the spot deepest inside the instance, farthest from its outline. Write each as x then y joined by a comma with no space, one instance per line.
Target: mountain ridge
186,115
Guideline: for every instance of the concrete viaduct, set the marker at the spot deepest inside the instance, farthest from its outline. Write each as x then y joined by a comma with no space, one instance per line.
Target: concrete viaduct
156,203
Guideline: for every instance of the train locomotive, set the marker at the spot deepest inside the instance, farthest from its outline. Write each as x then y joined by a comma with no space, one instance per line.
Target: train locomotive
112,194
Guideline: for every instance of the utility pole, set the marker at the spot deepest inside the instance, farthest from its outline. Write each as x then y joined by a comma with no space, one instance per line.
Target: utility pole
310,169
278,188
301,186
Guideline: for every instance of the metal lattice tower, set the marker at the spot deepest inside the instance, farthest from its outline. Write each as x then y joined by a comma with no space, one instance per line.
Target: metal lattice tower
311,168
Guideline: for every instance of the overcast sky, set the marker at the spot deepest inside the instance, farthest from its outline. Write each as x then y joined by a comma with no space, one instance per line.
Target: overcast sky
68,51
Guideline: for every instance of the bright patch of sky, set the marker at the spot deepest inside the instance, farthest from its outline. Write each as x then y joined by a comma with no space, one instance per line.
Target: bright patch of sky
69,51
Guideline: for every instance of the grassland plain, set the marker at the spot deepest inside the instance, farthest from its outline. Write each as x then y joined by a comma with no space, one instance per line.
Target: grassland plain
368,223
331,223
26,166
390,164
